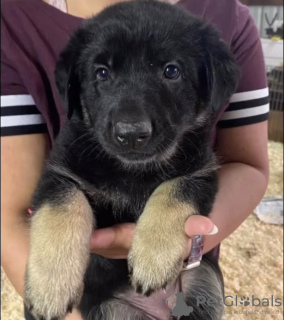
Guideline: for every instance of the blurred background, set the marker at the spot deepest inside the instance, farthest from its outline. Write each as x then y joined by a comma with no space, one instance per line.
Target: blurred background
268,16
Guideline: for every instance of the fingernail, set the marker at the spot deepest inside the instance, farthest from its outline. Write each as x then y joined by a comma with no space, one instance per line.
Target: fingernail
213,231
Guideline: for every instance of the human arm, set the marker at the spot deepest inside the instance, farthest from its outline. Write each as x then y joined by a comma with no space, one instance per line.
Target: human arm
22,159
243,178
242,134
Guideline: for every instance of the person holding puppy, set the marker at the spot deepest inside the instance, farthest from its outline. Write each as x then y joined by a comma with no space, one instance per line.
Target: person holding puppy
32,114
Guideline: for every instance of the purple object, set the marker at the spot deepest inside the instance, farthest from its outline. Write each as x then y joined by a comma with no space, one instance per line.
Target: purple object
195,255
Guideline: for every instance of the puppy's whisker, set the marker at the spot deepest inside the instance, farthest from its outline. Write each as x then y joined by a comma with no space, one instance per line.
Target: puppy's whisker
85,150
76,140
92,150
101,153
194,145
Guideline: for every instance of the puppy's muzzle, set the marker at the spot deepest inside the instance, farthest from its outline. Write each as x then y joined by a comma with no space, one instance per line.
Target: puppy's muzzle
132,135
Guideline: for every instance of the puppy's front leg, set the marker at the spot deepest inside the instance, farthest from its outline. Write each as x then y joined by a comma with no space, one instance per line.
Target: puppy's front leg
60,231
159,242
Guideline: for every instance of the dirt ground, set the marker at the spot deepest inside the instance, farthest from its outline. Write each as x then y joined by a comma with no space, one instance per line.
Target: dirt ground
251,260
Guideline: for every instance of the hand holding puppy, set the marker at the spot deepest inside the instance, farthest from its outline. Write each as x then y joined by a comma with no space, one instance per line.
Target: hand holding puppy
115,242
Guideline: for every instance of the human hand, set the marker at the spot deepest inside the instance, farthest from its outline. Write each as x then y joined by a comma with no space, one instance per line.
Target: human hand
115,242
75,315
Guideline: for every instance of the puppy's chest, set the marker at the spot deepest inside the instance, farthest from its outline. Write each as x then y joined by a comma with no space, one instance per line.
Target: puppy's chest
122,197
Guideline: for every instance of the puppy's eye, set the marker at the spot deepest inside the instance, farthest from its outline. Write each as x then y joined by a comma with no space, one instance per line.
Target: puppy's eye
171,72
103,74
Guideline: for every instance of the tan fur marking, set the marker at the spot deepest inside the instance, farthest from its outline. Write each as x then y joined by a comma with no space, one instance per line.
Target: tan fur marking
59,255
158,246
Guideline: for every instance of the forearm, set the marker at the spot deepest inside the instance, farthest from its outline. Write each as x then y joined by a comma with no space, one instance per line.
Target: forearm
241,187
14,253
22,160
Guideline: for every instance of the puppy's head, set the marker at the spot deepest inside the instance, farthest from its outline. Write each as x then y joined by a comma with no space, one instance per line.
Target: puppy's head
141,74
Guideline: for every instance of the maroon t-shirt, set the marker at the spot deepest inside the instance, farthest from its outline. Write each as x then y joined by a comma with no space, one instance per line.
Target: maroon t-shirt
34,33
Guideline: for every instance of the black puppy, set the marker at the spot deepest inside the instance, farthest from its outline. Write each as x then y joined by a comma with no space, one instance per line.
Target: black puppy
142,82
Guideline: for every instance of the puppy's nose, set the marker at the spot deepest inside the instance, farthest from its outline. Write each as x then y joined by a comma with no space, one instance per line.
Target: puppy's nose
132,135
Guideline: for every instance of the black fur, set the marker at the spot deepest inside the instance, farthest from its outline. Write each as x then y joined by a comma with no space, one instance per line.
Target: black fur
136,41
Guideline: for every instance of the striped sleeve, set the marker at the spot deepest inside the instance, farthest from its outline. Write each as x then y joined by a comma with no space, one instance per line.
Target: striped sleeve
246,108
19,115
250,103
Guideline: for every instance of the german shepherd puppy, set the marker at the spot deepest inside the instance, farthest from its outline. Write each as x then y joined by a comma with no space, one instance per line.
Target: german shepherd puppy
142,82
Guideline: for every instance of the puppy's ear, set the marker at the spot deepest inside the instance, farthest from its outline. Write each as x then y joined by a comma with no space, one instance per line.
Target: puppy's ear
66,72
218,74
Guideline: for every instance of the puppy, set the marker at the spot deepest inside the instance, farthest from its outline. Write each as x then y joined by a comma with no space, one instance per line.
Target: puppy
142,83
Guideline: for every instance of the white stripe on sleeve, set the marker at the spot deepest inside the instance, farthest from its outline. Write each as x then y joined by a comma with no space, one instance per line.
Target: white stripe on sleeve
249,95
22,120
17,100
244,113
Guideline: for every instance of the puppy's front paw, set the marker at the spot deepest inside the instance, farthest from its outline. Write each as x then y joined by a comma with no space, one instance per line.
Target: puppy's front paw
159,243
49,293
155,261
58,259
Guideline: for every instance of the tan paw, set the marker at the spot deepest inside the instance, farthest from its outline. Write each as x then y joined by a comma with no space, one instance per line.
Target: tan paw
51,297
58,259
156,263
159,243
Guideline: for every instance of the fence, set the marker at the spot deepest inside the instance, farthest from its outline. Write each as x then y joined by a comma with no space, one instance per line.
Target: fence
273,54
264,17
275,82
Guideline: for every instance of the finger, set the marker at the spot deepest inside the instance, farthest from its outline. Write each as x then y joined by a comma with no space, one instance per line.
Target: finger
199,225
187,249
118,236
111,253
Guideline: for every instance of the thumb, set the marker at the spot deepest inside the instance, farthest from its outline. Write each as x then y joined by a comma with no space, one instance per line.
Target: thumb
199,225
